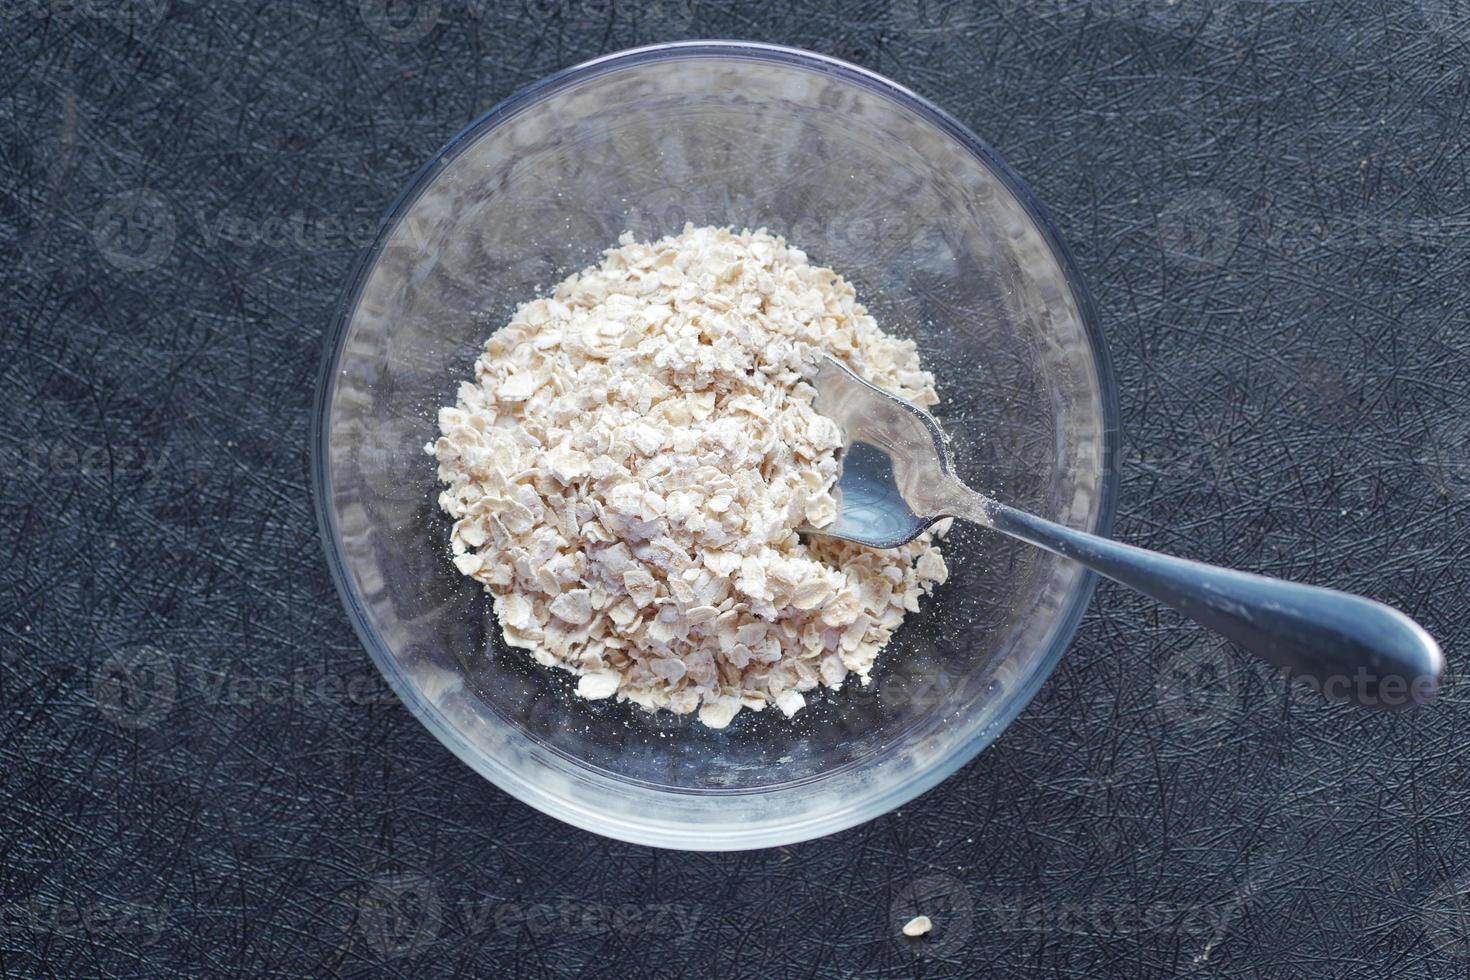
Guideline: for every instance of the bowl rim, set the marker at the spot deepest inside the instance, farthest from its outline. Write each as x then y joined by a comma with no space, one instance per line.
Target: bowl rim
652,831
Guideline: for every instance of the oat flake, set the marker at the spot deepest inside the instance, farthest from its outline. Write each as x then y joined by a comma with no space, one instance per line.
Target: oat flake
919,925
628,468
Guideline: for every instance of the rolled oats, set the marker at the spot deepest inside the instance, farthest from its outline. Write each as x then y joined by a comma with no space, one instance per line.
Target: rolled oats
919,925
630,465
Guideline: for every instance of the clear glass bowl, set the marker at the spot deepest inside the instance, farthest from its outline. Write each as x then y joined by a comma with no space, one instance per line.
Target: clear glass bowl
943,243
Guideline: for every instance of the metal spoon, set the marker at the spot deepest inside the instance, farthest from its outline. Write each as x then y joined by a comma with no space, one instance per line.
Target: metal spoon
897,481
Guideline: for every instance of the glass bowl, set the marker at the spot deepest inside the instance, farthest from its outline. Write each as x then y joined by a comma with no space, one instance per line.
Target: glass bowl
943,243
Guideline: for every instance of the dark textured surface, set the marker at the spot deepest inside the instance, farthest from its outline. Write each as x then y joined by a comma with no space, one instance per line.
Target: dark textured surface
201,770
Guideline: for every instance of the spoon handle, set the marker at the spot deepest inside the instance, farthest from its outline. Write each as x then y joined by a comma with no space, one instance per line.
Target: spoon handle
1350,648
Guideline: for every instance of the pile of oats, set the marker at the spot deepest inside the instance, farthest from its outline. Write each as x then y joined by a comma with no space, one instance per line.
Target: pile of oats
629,467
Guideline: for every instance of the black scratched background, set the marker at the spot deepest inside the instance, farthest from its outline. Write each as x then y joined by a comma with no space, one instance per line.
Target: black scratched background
203,775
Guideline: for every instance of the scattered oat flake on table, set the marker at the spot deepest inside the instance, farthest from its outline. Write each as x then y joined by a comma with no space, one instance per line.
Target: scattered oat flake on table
919,925
628,468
